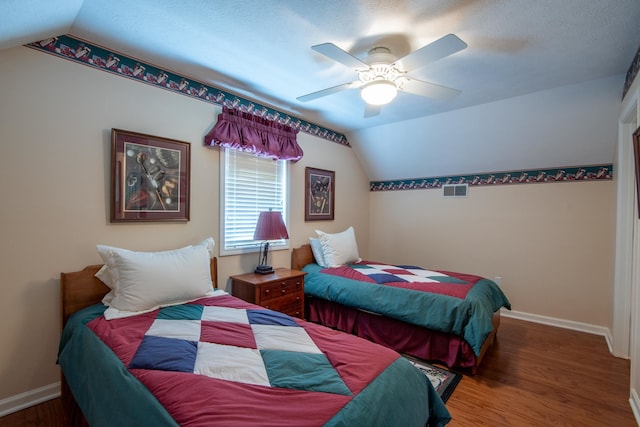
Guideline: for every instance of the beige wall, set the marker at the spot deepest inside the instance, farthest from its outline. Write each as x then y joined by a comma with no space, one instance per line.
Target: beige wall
552,244
55,122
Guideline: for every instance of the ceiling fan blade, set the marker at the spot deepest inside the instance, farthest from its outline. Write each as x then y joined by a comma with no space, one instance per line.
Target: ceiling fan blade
440,48
371,110
430,90
328,91
332,51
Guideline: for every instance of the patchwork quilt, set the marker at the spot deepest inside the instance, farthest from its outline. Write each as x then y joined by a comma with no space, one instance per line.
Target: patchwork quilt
409,277
450,302
222,361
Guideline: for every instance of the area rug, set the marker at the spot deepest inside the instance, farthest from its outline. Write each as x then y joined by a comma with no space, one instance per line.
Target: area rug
442,380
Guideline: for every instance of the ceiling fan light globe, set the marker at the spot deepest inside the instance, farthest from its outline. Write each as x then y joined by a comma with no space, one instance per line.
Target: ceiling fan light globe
379,92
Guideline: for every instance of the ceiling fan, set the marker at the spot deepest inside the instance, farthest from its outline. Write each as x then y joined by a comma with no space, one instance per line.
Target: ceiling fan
381,75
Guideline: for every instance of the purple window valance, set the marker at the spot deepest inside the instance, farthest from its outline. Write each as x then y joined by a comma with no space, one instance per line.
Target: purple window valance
242,131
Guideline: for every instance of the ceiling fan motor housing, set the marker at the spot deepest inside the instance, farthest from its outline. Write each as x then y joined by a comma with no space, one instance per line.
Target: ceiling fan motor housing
380,55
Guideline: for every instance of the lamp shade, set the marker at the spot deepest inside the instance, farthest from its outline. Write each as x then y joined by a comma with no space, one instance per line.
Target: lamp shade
270,226
379,92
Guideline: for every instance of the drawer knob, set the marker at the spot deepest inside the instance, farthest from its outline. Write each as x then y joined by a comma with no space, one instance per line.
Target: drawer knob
267,291
284,291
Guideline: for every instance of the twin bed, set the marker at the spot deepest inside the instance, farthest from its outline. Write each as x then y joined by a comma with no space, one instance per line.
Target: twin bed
218,360
439,316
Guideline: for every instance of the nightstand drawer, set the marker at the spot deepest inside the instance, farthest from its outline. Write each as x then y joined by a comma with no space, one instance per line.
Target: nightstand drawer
291,305
281,288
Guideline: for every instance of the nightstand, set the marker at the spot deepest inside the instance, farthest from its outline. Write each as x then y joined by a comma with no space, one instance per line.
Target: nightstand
282,290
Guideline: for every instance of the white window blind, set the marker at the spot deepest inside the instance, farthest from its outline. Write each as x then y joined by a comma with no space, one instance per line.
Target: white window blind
249,185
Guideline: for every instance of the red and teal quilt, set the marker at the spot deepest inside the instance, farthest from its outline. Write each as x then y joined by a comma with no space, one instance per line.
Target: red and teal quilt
222,361
450,302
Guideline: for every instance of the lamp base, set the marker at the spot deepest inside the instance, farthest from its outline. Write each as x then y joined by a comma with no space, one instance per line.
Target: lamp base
263,269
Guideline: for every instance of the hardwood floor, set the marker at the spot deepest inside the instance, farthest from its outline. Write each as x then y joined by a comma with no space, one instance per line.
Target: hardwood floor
535,375
538,375
47,414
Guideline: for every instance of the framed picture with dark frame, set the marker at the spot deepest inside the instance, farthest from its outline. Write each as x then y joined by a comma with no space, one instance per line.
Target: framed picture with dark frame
319,201
150,178
636,153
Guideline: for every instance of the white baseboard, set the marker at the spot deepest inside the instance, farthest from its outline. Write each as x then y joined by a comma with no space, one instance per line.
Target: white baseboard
561,323
29,398
634,400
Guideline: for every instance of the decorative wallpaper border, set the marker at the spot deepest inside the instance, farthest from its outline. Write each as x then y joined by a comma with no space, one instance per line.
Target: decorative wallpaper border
73,49
631,73
85,53
533,176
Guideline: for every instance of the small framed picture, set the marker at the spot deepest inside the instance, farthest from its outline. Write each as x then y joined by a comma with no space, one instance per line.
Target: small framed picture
319,201
150,178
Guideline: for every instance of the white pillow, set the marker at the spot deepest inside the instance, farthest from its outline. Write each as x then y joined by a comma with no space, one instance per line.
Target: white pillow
105,277
318,254
210,244
144,281
339,248
105,251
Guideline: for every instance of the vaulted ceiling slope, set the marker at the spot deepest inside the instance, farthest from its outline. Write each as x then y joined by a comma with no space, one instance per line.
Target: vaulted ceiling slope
261,50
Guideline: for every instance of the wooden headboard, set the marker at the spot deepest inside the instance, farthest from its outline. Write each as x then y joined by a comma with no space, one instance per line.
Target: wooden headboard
80,289
301,256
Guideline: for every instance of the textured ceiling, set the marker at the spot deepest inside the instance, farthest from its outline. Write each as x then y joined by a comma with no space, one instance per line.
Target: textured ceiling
261,49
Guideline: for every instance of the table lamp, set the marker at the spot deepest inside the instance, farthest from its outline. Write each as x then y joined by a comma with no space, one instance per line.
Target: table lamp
270,226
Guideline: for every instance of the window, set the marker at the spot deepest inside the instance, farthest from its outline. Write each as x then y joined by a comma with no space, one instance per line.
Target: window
248,186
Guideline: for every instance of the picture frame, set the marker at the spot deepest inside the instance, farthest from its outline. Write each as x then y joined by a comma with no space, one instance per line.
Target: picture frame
150,178
319,200
636,154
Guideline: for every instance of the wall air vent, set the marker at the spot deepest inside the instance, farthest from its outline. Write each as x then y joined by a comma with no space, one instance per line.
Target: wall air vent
455,190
